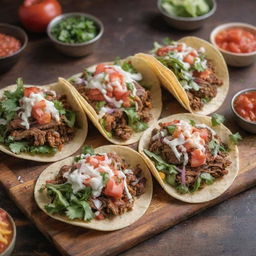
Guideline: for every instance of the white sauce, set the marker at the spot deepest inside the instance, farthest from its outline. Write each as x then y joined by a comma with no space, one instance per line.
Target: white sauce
86,174
28,102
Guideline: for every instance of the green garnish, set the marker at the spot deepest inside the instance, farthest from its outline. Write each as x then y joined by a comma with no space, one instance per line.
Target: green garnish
217,119
65,202
192,122
134,120
234,138
185,8
73,30
171,128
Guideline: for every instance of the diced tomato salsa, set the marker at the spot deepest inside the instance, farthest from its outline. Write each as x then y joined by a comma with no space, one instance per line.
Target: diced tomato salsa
6,231
237,40
245,105
8,45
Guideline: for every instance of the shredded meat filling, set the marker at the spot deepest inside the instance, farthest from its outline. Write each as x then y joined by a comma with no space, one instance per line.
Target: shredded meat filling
54,134
117,122
109,206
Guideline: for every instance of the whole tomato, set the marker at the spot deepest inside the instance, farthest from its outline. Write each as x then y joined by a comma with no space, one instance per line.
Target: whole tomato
36,14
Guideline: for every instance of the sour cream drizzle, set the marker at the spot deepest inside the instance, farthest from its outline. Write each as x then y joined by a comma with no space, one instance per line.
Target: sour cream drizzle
88,175
102,82
27,104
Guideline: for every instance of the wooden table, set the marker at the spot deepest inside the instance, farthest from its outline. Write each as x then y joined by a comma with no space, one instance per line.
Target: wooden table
130,27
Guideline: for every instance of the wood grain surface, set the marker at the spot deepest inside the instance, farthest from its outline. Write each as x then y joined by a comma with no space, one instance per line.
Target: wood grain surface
130,27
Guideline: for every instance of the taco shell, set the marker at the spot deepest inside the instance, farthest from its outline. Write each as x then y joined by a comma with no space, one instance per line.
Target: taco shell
149,78
141,203
68,148
171,83
209,192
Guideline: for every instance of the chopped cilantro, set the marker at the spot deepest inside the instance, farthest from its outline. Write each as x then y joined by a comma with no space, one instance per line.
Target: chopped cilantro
88,150
99,105
234,138
171,128
192,122
217,119
207,178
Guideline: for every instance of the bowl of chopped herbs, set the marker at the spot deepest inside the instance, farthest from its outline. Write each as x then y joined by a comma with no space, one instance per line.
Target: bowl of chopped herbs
75,34
186,14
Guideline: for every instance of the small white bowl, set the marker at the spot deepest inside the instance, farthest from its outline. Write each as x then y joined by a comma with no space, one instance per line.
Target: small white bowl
235,59
9,249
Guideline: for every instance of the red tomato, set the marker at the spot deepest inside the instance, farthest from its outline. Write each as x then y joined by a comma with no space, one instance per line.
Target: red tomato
189,59
114,189
100,68
204,74
169,123
36,14
39,114
100,217
177,132
163,50
115,76
29,90
92,161
198,158
127,102
95,94
203,134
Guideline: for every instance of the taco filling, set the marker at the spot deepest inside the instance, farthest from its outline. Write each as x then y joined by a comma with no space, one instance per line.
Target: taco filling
35,120
121,102
95,186
194,71
187,155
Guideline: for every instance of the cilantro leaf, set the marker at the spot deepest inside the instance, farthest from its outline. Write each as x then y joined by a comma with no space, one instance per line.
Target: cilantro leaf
217,119
182,189
192,122
70,118
205,100
105,177
171,179
214,146
59,106
44,149
128,67
234,138
171,128
207,178
88,150
197,184
134,120
160,164
18,147
99,105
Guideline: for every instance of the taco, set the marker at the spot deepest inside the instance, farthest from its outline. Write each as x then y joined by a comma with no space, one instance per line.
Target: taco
122,98
192,160
106,189
194,71
40,123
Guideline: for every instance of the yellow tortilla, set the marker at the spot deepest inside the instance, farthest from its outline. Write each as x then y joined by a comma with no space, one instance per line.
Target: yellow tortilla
68,148
170,81
149,78
208,192
141,203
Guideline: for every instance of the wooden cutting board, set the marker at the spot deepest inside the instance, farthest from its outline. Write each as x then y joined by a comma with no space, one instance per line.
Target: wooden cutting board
163,212
18,178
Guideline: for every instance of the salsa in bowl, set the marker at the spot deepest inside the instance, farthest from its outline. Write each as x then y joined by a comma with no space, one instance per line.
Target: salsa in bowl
237,43
244,108
7,233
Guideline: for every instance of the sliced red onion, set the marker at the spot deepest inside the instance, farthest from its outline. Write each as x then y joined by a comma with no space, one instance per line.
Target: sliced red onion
183,176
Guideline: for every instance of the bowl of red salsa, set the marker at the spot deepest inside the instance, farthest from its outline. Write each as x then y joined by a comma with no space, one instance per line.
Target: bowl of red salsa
244,107
7,233
237,43
13,41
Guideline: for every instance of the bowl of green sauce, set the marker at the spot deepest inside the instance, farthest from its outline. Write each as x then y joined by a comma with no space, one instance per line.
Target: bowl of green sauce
75,34
186,14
